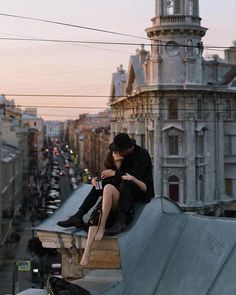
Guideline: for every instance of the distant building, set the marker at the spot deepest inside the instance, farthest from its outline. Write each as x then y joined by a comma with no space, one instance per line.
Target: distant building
181,107
54,130
35,126
13,167
89,137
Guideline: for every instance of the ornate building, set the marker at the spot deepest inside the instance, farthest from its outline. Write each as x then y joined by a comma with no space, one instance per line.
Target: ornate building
181,107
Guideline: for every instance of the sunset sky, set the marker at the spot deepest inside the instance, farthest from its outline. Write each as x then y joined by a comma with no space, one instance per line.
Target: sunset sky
30,67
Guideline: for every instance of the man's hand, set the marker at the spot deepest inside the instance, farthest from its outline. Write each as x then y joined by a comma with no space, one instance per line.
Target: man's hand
108,173
127,177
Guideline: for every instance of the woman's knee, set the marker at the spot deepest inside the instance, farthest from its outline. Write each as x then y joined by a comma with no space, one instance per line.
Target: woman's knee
110,189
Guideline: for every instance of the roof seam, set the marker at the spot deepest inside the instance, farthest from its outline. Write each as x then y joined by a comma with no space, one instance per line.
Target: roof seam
221,269
171,253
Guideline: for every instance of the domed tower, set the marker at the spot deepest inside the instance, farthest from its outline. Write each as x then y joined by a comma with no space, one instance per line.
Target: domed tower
176,33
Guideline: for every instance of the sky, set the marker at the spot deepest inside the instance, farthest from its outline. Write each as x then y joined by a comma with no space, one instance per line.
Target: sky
49,68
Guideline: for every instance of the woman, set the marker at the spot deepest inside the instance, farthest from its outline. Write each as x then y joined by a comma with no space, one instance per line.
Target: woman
105,213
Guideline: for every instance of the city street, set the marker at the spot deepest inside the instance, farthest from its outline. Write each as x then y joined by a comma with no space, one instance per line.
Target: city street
18,250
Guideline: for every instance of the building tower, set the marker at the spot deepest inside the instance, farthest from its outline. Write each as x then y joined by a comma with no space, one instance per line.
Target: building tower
176,54
180,106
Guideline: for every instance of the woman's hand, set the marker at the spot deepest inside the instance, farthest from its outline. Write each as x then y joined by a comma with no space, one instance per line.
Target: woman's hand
108,173
94,181
127,176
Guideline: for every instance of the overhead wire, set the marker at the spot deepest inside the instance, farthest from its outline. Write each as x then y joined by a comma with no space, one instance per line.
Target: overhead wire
218,48
92,29
145,107
71,25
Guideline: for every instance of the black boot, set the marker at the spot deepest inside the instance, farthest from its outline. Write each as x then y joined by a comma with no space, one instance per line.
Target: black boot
119,225
75,220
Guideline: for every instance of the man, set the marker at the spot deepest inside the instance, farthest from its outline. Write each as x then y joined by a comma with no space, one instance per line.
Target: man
138,163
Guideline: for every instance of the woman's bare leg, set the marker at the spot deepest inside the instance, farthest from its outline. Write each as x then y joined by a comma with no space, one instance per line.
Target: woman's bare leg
110,200
89,243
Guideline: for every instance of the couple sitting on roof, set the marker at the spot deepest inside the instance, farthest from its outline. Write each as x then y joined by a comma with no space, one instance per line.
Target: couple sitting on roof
127,178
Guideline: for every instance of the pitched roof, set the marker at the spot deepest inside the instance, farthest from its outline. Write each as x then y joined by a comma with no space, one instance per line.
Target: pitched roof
135,73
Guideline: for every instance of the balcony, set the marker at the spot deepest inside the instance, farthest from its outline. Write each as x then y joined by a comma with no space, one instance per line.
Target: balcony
174,161
176,19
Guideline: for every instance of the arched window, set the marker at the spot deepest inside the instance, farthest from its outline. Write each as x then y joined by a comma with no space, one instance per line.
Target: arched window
191,7
173,187
189,47
170,7
173,7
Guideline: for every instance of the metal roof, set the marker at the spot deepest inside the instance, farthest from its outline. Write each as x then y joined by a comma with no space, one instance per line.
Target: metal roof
177,253
66,210
166,251
33,292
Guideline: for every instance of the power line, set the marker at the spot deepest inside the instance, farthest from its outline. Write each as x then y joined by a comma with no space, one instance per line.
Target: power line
120,108
111,43
112,119
72,25
60,95
93,29
72,41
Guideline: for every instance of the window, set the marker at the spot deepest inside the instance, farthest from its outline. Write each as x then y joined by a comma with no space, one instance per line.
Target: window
173,7
189,47
228,109
173,109
228,144
170,7
229,187
191,7
199,109
200,144
142,140
173,183
173,145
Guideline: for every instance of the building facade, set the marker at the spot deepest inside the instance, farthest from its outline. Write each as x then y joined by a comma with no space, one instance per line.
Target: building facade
89,138
12,177
36,136
54,130
181,107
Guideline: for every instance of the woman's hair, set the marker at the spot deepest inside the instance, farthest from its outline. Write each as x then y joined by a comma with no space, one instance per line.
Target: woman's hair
109,162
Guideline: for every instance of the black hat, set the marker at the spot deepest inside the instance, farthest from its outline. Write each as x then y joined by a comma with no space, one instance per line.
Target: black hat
121,142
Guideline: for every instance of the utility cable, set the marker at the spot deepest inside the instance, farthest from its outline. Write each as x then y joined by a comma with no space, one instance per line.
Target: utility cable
72,25
93,29
218,48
